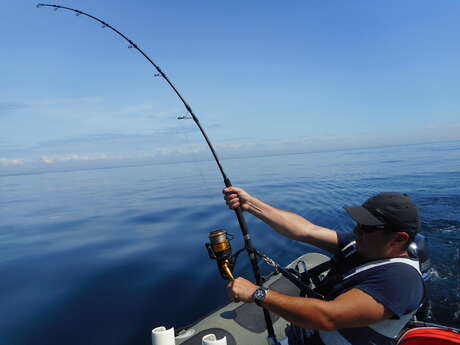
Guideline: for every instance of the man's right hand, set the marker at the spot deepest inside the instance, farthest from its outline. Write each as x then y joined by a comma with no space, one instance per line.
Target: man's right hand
236,197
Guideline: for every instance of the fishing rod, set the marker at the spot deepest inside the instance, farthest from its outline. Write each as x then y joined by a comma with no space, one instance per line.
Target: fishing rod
239,213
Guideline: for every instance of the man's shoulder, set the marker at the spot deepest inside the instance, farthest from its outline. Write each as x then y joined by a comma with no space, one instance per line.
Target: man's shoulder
397,285
392,268
396,273
344,238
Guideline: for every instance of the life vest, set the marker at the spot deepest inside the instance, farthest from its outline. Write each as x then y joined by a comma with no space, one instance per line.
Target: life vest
382,332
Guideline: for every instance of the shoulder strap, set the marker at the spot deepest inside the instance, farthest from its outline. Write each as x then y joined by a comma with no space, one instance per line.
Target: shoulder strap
316,271
411,262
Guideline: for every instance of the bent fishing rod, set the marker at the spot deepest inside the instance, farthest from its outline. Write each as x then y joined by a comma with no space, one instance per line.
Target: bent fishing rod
238,211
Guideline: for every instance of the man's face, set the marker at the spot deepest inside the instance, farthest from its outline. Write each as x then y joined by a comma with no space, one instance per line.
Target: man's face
372,243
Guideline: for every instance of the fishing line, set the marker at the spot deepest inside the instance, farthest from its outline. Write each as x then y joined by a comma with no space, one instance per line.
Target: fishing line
239,213
194,156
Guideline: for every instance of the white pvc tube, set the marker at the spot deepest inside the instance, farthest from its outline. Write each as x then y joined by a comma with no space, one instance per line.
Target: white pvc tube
210,339
163,336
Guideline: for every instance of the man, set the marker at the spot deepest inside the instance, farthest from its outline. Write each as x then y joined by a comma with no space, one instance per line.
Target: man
379,286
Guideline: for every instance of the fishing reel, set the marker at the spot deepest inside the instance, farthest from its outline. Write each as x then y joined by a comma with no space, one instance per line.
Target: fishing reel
219,249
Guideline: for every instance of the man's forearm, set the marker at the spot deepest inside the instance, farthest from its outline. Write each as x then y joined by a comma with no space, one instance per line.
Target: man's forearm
304,312
286,223
293,225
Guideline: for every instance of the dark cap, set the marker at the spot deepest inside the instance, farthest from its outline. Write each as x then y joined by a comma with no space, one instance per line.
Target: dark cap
394,211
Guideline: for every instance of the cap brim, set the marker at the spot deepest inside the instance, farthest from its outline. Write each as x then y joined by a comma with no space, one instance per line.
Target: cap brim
362,216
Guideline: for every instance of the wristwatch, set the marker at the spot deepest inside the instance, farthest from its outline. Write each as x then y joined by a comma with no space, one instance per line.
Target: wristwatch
259,295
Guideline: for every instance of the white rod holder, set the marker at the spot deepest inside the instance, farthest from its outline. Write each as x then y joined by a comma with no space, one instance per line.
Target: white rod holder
211,339
163,336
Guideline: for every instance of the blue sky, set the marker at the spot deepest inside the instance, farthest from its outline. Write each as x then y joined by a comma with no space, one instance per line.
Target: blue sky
264,77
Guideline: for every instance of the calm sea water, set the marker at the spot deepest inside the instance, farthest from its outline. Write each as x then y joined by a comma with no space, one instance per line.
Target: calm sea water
103,256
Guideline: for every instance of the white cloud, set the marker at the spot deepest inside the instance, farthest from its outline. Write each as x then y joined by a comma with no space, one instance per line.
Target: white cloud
11,161
75,157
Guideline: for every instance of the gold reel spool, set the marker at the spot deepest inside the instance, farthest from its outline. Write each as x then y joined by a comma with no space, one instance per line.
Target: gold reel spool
220,249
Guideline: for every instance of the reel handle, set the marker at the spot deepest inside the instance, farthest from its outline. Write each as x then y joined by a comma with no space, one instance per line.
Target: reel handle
227,269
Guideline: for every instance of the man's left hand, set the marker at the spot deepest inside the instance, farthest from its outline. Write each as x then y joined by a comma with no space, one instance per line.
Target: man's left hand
241,290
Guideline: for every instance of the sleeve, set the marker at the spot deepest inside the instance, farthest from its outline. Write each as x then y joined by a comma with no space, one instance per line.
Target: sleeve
344,238
397,286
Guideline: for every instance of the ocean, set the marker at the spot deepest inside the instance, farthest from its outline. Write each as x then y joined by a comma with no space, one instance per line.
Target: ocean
104,256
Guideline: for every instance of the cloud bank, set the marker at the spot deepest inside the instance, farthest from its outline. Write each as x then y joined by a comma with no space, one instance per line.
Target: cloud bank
117,150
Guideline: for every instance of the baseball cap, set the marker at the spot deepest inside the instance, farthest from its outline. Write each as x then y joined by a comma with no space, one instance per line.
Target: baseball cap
394,211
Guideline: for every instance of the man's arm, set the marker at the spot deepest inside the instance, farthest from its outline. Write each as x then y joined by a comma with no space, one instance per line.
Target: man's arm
286,223
353,308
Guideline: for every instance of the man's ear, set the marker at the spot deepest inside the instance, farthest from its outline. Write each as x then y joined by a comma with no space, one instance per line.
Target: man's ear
401,236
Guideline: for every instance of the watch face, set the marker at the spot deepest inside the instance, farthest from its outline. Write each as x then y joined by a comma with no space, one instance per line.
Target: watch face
259,296
260,293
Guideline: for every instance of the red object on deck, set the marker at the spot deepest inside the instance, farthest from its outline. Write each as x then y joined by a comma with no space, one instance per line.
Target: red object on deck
429,336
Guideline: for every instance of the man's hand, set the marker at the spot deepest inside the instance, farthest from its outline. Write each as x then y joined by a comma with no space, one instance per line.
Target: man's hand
241,290
236,197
